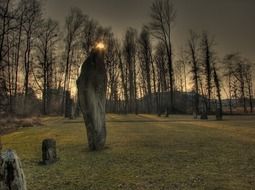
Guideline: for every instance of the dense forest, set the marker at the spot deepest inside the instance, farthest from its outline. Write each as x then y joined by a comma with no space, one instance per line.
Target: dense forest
40,62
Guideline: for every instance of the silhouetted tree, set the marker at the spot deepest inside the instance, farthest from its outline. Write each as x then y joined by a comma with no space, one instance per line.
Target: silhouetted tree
48,36
207,59
5,28
219,111
73,25
193,53
160,58
129,54
145,51
89,35
228,66
182,66
163,15
124,79
112,70
239,75
20,20
249,82
31,25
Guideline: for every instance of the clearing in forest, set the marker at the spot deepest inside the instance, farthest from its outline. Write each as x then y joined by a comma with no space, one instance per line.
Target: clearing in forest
143,152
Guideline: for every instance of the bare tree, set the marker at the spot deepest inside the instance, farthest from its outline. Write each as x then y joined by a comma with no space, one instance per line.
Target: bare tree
145,51
219,111
184,64
160,58
11,26
207,60
4,15
124,79
32,21
112,70
4,29
46,45
228,65
239,75
193,53
73,25
249,82
163,15
89,35
20,20
129,53
180,73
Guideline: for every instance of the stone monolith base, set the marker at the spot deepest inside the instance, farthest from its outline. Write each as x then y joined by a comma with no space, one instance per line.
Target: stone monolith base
92,98
11,174
49,153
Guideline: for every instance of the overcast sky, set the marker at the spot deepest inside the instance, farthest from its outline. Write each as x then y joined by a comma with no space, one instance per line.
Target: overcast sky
232,22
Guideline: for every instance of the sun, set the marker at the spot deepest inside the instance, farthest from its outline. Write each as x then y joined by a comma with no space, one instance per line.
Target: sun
100,46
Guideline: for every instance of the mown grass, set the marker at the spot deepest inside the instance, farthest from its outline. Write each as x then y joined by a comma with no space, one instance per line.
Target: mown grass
143,152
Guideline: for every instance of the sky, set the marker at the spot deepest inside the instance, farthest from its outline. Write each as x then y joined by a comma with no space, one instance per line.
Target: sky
230,22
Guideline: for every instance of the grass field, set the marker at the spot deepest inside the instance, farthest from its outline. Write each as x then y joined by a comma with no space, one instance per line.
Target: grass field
143,152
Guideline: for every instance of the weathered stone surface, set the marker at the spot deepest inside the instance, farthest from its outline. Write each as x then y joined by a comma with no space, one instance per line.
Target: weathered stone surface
49,153
92,98
11,174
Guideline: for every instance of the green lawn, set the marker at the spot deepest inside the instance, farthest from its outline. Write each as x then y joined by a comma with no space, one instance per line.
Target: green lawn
143,152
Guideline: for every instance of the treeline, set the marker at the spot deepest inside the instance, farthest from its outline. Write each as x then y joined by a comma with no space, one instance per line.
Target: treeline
40,62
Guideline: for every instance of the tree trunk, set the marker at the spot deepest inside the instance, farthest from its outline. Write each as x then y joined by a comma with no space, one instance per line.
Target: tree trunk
124,83
219,112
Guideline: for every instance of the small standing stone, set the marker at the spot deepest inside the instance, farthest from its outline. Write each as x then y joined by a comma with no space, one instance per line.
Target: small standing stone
204,116
11,174
194,115
219,115
49,153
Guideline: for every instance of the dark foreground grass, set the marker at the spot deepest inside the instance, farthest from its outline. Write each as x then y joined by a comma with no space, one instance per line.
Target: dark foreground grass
143,152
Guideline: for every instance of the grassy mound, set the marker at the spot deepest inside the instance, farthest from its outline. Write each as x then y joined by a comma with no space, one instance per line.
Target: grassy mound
10,124
143,152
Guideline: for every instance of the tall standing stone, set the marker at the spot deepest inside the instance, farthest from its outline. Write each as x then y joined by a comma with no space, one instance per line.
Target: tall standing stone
92,98
11,174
